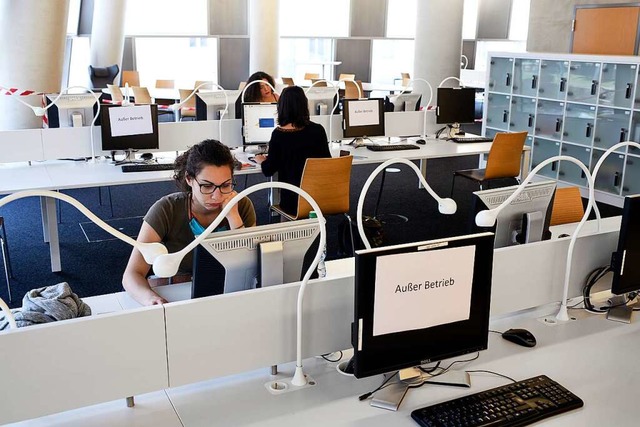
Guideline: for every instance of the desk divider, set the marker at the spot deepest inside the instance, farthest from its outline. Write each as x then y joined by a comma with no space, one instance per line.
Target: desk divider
21,145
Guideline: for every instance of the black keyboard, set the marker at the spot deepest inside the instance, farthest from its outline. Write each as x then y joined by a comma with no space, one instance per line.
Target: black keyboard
393,147
517,404
147,167
471,139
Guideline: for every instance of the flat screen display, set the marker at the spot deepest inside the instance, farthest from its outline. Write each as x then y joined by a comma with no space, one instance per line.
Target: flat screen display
363,117
456,105
129,128
258,122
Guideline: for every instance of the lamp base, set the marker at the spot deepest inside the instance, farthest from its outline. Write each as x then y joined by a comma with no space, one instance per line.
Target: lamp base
285,385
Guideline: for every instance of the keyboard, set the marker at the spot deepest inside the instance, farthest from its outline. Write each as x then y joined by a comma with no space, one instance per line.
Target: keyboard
393,147
471,139
147,167
517,404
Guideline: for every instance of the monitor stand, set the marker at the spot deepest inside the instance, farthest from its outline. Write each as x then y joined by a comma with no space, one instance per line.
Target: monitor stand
129,157
391,395
620,312
360,141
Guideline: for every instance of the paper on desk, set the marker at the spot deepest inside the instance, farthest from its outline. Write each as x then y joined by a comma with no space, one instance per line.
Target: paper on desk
246,159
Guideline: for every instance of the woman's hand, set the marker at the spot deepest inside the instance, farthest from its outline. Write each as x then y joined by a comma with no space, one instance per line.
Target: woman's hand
155,300
234,218
259,158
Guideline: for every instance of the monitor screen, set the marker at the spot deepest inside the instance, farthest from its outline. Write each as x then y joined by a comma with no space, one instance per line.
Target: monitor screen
209,105
421,302
258,122
248,258
625,261
322,100
363,117
526,219
456,105
71,110
403,102
129,128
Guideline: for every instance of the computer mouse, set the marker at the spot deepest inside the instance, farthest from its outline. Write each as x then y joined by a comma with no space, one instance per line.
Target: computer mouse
146,156
520,336
421,142
562,236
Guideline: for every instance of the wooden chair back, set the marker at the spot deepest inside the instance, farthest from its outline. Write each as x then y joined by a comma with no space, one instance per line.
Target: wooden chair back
141,95
116,93
309,76
188,109
321,82
344,76
200,82
505,155
406,78
567,206
351,89
131,77
327,180
288,81
165,84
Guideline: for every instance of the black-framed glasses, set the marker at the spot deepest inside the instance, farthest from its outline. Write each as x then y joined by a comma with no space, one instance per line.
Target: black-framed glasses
209,188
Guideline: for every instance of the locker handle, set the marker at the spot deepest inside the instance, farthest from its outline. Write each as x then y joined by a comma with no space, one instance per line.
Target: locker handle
534,81
616,179
554,166
563,84
588,131
627,93
530,122
505,116
583,175
623,134
508,80
558,124
594,86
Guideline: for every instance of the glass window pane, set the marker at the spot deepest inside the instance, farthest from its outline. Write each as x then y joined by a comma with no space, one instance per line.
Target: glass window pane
79,65
484,47
390,58
300,56
401,18
310,18
519,22
182,59
74,17
166,17
470,19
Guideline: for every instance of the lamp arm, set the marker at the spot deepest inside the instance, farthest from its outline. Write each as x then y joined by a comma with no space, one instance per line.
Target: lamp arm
451,78
446,206
149,250
8,314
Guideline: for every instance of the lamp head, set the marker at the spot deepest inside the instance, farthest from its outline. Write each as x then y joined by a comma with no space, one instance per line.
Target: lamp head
167,265
447,206
151,251
486,218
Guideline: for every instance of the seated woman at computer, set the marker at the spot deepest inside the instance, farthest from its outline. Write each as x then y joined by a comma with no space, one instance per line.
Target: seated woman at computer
204,173
295,140
257,92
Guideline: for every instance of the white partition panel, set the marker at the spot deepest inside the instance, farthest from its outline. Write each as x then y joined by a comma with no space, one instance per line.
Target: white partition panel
405,123
232,333
179,136
336,125
21,145
61,143
64,365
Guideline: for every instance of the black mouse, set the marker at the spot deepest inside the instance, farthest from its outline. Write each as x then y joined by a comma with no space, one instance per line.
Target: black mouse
146,156
421,142
562,236
520,337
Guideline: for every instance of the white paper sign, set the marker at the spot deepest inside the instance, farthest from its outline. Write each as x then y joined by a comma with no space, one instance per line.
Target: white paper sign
422,289
364,113
130,120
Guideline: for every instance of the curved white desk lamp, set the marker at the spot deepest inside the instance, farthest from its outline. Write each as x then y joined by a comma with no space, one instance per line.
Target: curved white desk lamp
41,111
176,107
254,82
466,61
451,78
426,108
337,89
8,314
446,206
487,218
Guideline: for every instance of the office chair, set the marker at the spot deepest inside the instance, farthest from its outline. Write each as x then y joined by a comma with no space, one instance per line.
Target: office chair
288,81
503,160
8,274
351,89
310,76
344,76
142,96
116,94
328,181
188,109
567,206
385,218
320,82
165,84
100,77
130,76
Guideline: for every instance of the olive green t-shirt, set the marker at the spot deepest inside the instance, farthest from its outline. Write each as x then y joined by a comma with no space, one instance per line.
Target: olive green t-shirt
169,217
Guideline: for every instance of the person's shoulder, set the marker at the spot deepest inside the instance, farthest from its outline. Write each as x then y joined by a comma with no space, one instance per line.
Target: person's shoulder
170,200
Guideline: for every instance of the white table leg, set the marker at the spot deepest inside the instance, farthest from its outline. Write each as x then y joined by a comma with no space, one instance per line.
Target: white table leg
423,171
50,231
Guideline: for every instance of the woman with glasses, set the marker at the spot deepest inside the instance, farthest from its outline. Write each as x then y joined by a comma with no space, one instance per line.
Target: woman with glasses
295,140
204,174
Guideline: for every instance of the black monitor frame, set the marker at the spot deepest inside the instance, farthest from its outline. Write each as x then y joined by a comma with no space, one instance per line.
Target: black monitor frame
351,131
625,261
456,105
128,143
394,351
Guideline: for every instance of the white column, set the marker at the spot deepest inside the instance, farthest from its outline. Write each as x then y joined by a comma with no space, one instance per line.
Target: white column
32,41
263,36
438,43
107,33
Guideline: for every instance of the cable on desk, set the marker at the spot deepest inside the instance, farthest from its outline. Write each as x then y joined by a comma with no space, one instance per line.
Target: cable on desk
366,395
324,356
492,373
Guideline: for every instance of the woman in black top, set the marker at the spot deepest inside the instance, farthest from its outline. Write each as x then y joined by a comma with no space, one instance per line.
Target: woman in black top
295,140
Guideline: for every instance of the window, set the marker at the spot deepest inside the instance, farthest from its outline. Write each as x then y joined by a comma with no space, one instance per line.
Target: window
310,18
300,56
519,22
470,19
401,18
79,64
484,47
73,18
390,58
166,17
182,59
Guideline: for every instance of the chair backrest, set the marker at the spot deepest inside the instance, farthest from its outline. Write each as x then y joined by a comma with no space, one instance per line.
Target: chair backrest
100,77
241,85
131,77
188,109
309,76
327,180
347,77
116,93
567,206
351,89
406,78
288,81
200,82
165,84
141,95
321,82
505,155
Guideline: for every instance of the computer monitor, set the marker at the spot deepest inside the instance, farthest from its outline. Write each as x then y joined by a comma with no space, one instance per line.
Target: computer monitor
525,220
625,261
248,258
363,117
71,109
258,122
403,102
421,302
456,105
322,100
130,128
209,105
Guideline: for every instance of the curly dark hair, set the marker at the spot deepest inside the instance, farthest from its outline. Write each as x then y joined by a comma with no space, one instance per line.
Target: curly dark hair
192,161
253,92
293,107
